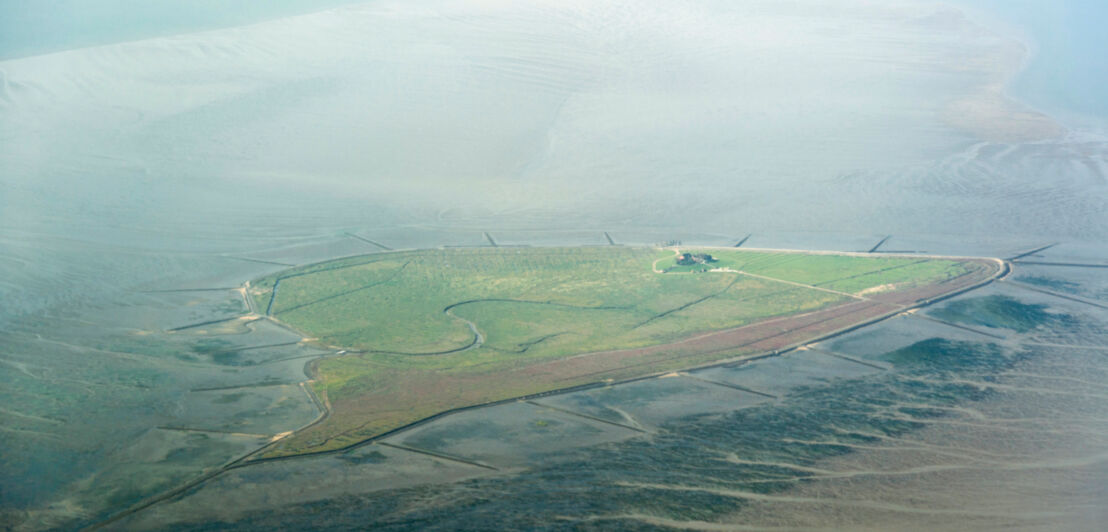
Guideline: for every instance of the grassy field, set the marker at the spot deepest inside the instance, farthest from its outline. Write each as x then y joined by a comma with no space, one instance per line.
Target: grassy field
433,330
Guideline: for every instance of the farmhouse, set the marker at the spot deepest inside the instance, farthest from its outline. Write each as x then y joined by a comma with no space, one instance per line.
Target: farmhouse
689,259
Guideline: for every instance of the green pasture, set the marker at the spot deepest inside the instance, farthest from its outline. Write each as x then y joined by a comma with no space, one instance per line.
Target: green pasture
409,313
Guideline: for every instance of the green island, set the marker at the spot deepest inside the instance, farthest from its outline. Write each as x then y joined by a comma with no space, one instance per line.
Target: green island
424,332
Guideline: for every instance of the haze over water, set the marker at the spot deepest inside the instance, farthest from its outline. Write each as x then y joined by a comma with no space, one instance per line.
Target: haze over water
182,160
1067,72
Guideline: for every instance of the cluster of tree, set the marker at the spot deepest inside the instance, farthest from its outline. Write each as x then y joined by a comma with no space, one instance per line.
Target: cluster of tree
689,259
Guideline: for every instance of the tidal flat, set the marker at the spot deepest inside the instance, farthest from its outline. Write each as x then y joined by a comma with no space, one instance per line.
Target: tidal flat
194,161
860,430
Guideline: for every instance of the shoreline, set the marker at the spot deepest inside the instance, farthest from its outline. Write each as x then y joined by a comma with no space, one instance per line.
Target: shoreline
1010,29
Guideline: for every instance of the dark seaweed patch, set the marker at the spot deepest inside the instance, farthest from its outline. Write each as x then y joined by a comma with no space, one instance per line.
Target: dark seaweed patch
229,398
1002,312
372,457
938,355
1053,283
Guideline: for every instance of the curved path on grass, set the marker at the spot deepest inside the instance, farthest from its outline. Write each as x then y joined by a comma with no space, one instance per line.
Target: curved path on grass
478,339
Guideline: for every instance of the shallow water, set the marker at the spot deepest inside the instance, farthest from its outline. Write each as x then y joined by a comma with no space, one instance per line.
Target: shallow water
198,161
35,28
1065,74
